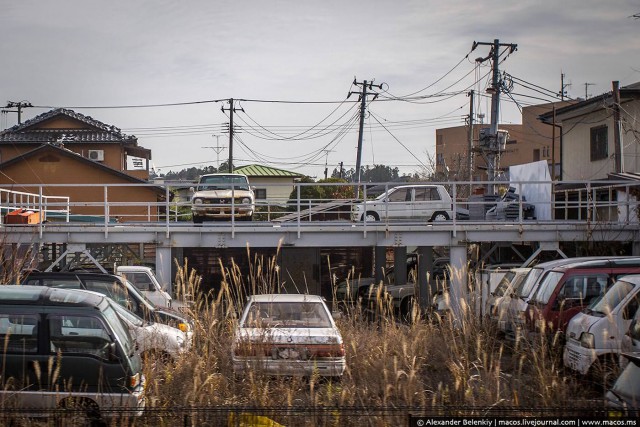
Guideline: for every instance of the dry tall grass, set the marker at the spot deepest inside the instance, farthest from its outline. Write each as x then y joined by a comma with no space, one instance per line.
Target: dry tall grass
423,363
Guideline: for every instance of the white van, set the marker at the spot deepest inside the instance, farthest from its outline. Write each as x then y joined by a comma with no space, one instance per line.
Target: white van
596,334
146,282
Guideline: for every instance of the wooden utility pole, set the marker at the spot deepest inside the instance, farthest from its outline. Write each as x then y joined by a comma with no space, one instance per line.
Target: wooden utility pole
363,100
231,110
18,108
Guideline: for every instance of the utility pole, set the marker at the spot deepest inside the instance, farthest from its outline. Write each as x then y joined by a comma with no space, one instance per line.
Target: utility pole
218,150
363,100
18,108
586,90
231,110
491,145
617,134
326,162
470,147
563,86
341,169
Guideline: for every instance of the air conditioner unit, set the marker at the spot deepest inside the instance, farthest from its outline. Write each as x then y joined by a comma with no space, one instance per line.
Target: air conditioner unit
96,155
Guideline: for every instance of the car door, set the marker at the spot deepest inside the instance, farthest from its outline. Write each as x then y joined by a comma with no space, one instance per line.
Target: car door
426,201
398,204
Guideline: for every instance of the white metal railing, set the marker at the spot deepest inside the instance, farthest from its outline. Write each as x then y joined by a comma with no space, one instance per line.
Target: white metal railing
112,205
46,206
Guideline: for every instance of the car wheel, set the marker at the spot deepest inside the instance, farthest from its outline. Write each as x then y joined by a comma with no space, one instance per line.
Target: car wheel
371,216
439,216
80,411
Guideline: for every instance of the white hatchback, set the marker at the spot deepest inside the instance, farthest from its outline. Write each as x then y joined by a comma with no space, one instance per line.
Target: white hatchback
288,334
423,201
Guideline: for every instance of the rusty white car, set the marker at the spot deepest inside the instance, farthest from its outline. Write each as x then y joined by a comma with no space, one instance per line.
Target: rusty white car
289,335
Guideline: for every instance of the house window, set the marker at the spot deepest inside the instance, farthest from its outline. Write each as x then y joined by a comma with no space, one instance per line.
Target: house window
599,143
536,154
260,193
440,159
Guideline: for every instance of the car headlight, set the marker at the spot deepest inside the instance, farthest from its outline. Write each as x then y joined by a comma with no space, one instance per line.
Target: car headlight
184,327
246,200
587,340
197,201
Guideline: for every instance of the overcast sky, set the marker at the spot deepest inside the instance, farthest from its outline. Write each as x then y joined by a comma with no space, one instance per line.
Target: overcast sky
79,54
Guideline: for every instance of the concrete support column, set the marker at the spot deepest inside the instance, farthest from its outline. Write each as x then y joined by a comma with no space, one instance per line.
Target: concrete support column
164,262
380,263
425,267
400,265
458,283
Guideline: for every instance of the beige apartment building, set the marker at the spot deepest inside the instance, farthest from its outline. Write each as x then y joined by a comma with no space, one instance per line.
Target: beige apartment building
529,142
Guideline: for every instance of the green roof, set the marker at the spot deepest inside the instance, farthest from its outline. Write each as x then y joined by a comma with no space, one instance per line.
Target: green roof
264,171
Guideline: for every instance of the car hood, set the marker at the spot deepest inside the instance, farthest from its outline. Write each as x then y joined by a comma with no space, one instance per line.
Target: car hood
580,323
290,335
160,336
225,193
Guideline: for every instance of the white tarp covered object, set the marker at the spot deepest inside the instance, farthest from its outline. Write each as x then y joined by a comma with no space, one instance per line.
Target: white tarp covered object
533,181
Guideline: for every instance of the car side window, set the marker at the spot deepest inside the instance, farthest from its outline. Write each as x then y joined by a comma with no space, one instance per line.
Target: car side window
584,287
113,290
435,194
19,333
78,334
399,195
421,194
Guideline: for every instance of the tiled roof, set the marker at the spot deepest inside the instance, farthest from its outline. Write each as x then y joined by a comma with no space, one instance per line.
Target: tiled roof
98,132
265,171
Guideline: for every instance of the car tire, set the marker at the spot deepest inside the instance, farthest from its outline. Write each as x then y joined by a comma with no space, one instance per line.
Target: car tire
371,216
439,216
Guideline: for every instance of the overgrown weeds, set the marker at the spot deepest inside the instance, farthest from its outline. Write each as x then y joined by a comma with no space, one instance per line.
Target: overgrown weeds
423,363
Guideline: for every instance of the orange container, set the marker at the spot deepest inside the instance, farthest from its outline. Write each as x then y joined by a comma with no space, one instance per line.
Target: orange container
22,216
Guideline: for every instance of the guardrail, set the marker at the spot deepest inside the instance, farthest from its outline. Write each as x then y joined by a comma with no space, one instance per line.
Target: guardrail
169,205
11,200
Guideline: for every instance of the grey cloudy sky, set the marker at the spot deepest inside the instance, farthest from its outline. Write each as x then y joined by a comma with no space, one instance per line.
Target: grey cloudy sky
78,53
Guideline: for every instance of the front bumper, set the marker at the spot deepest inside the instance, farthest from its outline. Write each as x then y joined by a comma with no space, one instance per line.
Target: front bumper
578,358
222,211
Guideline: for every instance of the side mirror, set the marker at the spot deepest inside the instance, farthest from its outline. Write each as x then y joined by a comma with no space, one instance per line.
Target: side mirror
336,315
192,189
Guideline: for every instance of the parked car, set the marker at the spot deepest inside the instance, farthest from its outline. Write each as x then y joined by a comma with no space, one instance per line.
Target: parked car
595,336
348,291
221,196
506,287
115,287
154,340
508,207
514,324
565,290
76,334
430,202
145,280
624,396
287,334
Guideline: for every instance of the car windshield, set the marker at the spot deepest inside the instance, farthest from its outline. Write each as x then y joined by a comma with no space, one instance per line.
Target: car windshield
547,286
286,315
526,286
127,315
611,298
119,329
502,287
223,182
